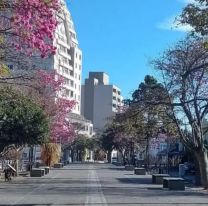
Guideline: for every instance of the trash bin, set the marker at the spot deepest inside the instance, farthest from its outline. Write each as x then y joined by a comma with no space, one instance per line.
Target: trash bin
181,170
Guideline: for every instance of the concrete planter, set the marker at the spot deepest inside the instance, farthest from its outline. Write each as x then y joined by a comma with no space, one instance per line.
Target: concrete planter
46,169
129,167
139,171
117,164
37,172
158,178
173,183
58,165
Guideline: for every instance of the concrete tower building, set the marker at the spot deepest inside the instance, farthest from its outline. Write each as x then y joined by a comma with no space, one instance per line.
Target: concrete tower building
100,100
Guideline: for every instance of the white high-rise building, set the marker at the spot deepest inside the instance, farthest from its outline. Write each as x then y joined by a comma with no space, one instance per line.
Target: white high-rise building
68,59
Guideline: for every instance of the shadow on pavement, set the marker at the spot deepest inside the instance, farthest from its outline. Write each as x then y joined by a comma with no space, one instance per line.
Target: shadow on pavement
116,168
131,192
49,181
135,180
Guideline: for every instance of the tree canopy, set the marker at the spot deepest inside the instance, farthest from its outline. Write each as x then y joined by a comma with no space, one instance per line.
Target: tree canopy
196,15
21,120
184,75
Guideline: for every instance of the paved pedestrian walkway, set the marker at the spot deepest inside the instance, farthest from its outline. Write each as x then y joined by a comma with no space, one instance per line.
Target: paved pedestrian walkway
96,185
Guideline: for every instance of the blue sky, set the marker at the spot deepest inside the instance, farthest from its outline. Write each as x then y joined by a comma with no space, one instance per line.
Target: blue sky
120,37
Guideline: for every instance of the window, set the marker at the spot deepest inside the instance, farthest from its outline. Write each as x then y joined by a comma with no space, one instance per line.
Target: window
67,92
119,100
80,67
66,81
119,93
73,35
64,60
71,73
90,130
114,98
79,77
69,62
71,93
114,90
114,105
66,71
80,57
62,48
71,83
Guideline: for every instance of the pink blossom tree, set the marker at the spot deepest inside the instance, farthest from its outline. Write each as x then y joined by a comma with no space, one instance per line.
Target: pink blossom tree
27,29
50,92
29,25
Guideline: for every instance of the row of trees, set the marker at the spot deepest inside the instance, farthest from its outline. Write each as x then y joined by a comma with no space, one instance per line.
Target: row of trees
176,102
138,122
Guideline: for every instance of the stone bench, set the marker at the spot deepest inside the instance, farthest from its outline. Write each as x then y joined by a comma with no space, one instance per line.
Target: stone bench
23,173
129,167
45,168
158,178
58,165
117,163
173,183
36,172
139,171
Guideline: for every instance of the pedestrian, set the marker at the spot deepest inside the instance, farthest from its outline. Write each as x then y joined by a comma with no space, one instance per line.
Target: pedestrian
7,174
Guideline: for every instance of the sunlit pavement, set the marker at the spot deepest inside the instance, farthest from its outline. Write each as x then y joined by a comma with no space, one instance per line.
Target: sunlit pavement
94,184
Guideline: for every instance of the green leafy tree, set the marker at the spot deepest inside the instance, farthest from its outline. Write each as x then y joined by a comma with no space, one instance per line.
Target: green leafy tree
22,122
148,115
107,141
78,147
196,15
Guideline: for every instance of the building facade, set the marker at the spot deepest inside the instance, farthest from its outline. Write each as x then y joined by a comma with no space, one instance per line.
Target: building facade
68,59
99,99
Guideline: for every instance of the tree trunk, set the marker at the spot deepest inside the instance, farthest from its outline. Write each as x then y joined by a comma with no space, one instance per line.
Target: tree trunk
109,156
30,158
202,158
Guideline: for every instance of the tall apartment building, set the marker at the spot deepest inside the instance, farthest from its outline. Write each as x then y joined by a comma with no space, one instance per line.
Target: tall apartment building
99,99
68,59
